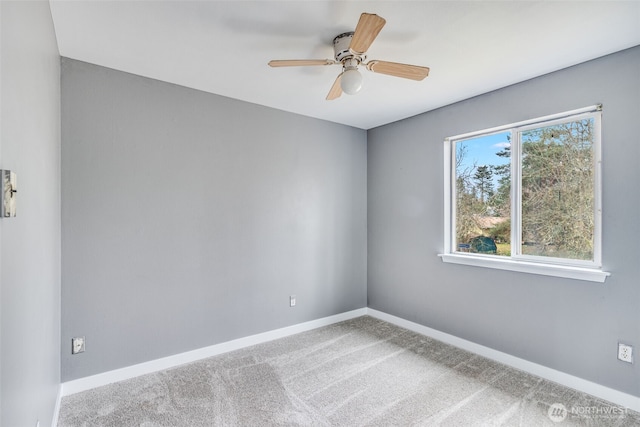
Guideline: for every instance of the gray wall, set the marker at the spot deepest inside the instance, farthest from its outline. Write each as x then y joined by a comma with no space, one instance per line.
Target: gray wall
30,243
569,325
188,218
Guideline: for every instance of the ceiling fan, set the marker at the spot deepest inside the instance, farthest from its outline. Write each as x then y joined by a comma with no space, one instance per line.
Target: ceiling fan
350,51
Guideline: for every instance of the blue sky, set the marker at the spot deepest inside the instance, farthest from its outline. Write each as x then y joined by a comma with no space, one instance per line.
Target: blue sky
482,150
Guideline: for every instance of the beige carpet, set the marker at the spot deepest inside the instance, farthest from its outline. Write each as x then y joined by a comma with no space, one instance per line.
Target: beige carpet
356,373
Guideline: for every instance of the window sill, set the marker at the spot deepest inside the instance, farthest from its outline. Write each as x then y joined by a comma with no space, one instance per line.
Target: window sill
578,273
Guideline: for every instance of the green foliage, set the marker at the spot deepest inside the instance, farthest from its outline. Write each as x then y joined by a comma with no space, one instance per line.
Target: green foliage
501,232
484,186
557,190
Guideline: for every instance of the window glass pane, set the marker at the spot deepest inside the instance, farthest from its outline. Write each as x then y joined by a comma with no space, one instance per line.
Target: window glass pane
558,190
483,200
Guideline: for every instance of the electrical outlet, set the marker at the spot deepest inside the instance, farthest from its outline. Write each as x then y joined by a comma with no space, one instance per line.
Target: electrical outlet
625,352
292,301
77,345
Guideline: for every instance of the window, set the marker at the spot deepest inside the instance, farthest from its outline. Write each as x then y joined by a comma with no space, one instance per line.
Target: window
526,196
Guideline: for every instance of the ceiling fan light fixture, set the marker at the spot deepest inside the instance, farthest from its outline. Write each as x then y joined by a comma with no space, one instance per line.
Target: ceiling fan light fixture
350,51
351,81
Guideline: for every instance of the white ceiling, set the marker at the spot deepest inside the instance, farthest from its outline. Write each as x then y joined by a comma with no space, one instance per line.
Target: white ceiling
223,47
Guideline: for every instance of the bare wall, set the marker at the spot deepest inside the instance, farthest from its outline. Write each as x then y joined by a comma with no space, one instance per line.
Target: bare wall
188,218
30,242
568,325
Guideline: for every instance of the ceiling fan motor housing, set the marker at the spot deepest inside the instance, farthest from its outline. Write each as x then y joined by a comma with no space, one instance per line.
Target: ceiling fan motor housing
341,49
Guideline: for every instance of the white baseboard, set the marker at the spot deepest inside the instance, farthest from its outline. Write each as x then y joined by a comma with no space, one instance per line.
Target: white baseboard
56,409
594,389
93,381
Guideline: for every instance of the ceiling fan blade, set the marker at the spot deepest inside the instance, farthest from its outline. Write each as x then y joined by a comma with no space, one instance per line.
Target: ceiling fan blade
336,89
413,72
366,32
300,62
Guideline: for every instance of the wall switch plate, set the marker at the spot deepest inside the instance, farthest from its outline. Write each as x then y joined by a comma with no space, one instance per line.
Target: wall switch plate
292,301
77,345
625,352
8,193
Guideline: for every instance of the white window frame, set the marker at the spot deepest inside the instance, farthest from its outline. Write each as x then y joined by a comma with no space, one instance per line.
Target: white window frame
548,266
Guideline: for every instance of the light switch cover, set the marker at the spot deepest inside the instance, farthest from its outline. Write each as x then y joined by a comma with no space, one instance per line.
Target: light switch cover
9,190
